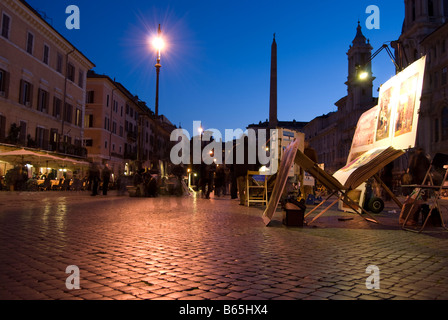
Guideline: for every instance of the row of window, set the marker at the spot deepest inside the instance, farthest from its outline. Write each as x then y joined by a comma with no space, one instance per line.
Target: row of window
30,44
438,78
431,8
44,138
26,98
128,149
90,98
440,132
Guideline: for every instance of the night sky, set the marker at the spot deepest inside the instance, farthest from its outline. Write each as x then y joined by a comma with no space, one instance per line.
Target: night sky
216,66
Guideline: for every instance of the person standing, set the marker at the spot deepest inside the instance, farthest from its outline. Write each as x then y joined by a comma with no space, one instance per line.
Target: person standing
105,176
219,180
387,178
94,177
418,166
241,168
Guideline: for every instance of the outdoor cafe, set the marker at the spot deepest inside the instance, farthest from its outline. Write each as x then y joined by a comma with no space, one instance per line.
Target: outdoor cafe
26,170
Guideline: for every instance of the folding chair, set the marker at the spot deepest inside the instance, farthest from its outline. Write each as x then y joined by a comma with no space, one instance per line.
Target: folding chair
439,162
334,187
259,188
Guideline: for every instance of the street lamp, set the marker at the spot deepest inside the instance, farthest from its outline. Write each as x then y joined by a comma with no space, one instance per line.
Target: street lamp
158,44
363,74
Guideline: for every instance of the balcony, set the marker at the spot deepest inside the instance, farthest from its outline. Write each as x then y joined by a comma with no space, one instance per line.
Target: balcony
130,155
132,136
71,149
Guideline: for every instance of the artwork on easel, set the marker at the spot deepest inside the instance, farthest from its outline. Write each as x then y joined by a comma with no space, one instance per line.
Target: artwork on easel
365,130
385,112
392,123
406,106
376,141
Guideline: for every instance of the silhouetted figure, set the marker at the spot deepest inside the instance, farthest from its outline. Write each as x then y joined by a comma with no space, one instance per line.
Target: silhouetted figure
241,168
418,166
139,182
233,183
220,177
387,178
94,177
121,183
105,176
203,179
209,179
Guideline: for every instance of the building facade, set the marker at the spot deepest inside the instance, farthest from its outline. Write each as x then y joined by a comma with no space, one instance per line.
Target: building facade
121,130
425,32
42,83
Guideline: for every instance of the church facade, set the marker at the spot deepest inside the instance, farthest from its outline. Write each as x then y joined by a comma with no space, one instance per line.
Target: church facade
425,32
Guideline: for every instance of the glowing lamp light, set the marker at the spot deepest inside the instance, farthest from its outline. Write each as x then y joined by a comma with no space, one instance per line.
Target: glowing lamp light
363,75
158,43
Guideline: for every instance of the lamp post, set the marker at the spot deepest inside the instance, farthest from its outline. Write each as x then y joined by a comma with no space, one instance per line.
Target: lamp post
363,74
158,45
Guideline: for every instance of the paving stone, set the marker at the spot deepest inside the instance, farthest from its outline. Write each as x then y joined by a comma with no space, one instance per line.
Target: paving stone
186,248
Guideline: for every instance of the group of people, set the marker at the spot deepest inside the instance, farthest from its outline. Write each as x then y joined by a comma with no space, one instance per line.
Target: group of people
96,176
146,183
419,163
219,178
214,177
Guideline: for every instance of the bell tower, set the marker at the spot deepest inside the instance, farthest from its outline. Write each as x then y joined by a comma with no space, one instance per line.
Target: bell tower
359,91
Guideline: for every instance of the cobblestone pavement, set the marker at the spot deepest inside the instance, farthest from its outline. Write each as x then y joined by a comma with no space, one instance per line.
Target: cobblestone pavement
193,248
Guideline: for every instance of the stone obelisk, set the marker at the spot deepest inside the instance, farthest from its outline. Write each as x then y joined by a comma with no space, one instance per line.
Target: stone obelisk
273,91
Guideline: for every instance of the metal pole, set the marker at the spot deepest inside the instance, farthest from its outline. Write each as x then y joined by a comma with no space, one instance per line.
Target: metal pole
158,65
157,88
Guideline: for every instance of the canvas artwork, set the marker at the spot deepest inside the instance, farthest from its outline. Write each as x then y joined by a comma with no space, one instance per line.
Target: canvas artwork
406,105
393,122
384,120
362,159
365,129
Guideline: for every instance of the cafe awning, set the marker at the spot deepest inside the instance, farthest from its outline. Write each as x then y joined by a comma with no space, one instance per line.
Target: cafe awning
23,156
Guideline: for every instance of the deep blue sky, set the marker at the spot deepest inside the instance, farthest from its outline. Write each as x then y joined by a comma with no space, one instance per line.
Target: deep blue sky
217,62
